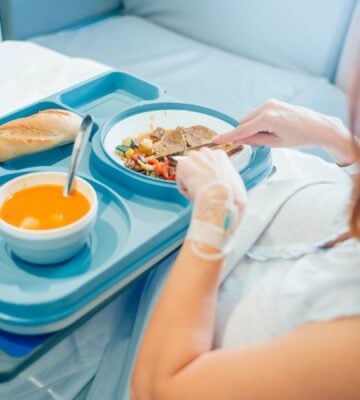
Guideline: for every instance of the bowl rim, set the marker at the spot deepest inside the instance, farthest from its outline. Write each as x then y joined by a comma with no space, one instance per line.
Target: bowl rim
54,233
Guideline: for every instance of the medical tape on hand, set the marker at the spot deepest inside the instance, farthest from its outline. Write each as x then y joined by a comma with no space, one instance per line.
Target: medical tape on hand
205,233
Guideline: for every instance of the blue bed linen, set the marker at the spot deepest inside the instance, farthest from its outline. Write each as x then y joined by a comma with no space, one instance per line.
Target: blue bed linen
65,370
22,19
299,35
116,366
192,71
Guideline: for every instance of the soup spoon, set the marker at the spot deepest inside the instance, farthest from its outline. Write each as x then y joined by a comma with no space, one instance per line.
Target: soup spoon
78,150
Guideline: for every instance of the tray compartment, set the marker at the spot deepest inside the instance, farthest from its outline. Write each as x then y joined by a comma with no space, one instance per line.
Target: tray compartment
109,94
56,156
128,233
31,292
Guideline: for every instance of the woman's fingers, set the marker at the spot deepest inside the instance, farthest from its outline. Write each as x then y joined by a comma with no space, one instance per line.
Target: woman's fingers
181,173
242,132
263,139
188,171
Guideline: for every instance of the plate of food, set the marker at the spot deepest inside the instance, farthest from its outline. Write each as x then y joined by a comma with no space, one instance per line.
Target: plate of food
151,142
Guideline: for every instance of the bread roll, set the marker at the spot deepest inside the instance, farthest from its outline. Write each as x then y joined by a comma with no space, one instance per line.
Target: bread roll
38,132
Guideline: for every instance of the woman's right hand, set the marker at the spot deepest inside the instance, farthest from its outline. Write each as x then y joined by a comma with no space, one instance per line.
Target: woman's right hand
279,124
203,168
207,177
210,181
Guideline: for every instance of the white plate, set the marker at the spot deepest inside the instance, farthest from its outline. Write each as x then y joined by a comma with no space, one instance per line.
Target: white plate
168,119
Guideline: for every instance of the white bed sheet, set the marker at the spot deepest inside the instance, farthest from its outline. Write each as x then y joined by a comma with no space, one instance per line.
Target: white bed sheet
29,72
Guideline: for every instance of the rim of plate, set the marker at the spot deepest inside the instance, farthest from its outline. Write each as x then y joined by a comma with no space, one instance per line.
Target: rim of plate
148,108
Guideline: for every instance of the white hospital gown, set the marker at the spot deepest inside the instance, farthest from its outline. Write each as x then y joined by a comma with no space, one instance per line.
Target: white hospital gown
287,279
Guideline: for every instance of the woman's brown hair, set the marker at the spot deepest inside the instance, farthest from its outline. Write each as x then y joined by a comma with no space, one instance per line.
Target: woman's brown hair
354,115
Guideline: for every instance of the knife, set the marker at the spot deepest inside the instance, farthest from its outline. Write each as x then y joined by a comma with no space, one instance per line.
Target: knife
230,152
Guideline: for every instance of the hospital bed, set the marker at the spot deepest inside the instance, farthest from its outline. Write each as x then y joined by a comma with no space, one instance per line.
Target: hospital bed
171,44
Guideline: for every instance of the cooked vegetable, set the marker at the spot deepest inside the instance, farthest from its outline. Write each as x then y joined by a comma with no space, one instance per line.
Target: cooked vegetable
146,146
145,166
133,144
127,142
121,150
162,169
129,153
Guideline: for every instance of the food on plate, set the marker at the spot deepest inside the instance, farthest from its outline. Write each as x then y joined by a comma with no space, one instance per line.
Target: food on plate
44,207
198,135
170,142
38,132
180,139
149,153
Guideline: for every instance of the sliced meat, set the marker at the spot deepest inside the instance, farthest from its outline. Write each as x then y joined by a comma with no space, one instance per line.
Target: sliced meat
198,135
171,142
158,133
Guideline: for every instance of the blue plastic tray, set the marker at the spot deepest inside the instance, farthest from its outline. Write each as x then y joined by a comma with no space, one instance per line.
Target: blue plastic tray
135,228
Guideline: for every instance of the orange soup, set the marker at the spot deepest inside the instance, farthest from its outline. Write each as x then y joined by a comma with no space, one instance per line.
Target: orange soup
44,207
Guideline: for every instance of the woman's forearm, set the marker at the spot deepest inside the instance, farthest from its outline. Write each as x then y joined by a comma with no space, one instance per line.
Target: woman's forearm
339,143
181,327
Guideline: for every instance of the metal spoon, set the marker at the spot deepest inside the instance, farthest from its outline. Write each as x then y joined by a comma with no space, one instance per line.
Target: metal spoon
80,143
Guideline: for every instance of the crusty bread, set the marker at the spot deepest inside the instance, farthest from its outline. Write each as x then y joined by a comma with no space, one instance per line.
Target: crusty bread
38,132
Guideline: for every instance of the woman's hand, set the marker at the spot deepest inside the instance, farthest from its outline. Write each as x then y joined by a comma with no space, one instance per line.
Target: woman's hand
202,169
279,124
